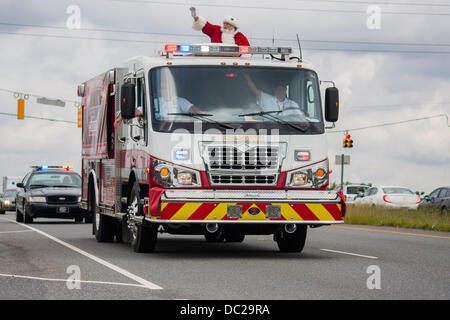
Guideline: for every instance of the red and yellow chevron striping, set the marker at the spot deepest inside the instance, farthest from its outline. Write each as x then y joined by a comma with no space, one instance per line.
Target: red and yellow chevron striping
177,211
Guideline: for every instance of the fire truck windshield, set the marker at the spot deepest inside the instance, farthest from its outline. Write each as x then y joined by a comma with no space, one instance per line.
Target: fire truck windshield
238,96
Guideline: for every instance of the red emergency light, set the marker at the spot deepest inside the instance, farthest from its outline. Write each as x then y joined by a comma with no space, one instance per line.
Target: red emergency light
244,49
67,167
171,48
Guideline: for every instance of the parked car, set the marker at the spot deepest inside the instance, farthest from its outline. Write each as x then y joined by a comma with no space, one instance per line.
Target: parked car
8,201
351,191
50,192
439,199
390,196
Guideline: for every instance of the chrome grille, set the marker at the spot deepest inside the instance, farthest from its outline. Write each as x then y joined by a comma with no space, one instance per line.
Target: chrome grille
232,158
61,199
242,164
243,180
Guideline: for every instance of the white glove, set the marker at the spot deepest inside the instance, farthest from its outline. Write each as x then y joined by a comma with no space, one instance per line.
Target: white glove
193,12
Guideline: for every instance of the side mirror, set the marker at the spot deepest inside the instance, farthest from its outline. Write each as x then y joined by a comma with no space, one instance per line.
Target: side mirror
20,185
427,198
331,104
128,100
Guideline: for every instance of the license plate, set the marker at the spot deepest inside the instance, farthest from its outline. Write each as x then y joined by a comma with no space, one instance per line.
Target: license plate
62,210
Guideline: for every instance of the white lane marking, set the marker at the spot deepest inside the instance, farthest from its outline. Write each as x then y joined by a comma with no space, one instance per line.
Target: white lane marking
349,253
72,280
107,264
1,232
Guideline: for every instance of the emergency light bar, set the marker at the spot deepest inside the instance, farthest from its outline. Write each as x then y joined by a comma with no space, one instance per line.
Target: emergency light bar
224,50
45,167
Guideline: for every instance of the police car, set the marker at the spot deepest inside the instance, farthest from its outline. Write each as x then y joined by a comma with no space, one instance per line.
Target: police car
50,192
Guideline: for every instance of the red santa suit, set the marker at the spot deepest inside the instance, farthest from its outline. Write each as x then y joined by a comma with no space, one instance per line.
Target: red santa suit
218,34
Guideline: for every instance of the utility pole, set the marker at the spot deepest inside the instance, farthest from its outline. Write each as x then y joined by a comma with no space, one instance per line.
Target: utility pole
342,159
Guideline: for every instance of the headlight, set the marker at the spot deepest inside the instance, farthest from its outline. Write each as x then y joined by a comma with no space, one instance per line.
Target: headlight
7,202
79,199
37,199
313,176
184,178
170,175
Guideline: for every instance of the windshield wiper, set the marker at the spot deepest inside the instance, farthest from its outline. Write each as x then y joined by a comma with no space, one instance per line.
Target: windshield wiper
36,186
63,186
202,117
270,116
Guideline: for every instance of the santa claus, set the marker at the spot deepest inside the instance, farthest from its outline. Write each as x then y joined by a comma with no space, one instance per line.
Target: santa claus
221,34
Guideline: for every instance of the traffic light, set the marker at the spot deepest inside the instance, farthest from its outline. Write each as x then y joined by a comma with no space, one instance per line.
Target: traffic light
20,109
80,117
348,142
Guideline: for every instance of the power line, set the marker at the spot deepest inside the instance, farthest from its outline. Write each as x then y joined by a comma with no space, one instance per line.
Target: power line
18,93
395,105
163,42
39,118
381,3
275,8
200,35
392,124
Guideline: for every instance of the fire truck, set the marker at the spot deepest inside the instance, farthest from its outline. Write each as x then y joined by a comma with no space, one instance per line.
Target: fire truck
216,140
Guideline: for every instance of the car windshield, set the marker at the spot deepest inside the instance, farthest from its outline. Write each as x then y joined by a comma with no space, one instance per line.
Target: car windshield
397,191
55,179
257,97
9,194
356,190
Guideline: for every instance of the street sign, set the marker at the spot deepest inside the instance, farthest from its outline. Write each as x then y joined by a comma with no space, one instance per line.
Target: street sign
52,102
340,157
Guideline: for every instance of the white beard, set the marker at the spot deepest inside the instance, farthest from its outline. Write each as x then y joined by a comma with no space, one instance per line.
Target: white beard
227,35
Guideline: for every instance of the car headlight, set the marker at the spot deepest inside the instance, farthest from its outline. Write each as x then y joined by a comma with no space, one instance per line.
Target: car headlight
313,176
170,175
37,199
79,199
7,202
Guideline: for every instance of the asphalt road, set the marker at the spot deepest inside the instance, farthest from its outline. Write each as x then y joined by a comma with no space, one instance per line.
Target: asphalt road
337,263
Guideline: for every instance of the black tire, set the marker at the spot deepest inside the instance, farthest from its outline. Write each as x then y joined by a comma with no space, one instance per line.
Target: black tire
234,236
146,238
26,217
292,242
88,219
215,237
78,219
19,216
103,226
2,211
143,238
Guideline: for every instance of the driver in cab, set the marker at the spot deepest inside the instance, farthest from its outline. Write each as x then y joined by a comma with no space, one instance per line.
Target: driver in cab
278,101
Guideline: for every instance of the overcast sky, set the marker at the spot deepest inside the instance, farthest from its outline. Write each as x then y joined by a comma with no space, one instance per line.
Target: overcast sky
398,72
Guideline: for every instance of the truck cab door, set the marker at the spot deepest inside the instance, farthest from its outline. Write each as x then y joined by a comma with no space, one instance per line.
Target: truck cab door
139,124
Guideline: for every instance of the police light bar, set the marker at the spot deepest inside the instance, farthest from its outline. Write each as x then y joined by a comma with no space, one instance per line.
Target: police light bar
224,50
46,167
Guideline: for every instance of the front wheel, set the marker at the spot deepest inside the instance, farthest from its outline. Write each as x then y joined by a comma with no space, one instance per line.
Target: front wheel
103,226
26,217
143,238
19,216
292,242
